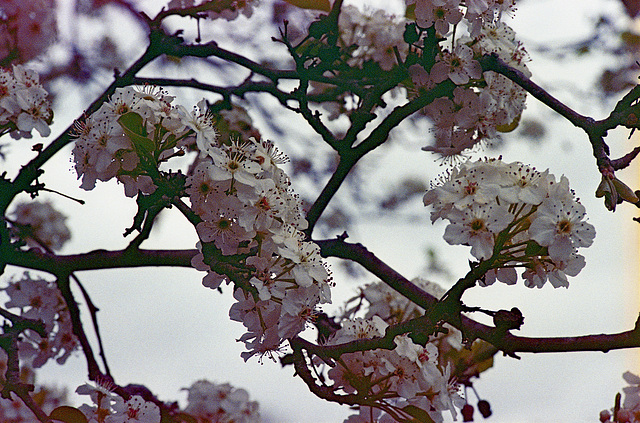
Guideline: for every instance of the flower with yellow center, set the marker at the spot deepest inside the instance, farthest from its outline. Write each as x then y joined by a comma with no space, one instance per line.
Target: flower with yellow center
560,226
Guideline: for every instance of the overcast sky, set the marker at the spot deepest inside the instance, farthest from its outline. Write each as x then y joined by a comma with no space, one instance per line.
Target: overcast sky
163,329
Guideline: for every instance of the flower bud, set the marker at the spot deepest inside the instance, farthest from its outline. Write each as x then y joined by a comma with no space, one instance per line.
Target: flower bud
624,191
624,416
467,413
608,191
615,192
631,121
484,408
507,320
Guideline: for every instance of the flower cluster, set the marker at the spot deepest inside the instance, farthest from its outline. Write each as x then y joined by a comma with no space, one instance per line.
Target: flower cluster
629,411
217,403
40,225
238,191
39,299
385,302
380,300
369,42
13,410
483,103
392,307
23,103
108,407
397,380
372,36
132,134
247,206
515,216
234,123
443,14
27,28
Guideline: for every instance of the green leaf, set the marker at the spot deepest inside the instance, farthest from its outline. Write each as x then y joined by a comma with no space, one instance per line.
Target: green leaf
535,249
508,127
631,39
418,414
133,126
170,142
480,349
133,122
411,34
68,414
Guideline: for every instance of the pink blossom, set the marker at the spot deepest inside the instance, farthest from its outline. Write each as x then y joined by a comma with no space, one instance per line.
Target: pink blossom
458,66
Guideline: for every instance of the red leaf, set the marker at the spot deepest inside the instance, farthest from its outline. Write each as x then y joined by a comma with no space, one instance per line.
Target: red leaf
68,414
322,5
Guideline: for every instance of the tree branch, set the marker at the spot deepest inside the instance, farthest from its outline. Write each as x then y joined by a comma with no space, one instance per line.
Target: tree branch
349,158
63,282
506,342
494,63
625,113
100,259
226,92
9,343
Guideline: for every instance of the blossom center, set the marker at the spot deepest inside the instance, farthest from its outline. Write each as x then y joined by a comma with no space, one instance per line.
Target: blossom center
471,188
263,203
102,140
224,224
205,188
122,108
36,302
423,356
564,227
477,224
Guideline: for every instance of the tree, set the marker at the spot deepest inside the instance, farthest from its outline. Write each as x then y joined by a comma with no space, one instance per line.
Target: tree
400,350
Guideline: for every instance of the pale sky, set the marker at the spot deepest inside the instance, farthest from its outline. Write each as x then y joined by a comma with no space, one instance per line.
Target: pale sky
163,329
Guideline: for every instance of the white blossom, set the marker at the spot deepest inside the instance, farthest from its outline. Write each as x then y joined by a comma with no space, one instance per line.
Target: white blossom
547,224
458,66
41,225
477,226
561,227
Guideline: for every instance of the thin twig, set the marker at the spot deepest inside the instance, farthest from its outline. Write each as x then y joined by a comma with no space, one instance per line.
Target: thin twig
94,372
93,311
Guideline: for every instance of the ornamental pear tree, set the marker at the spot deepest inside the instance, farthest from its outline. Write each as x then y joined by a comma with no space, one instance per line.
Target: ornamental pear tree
251,123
